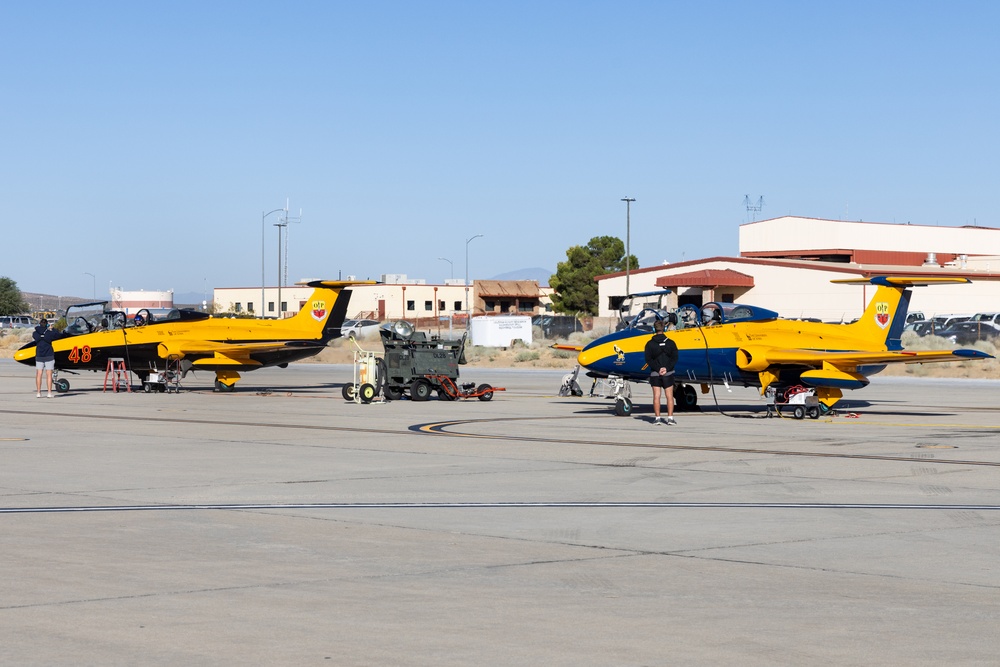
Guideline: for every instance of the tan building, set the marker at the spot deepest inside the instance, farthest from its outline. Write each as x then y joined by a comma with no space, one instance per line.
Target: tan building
402,300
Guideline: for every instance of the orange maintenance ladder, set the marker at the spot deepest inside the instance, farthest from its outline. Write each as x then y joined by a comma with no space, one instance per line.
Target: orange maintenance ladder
118,375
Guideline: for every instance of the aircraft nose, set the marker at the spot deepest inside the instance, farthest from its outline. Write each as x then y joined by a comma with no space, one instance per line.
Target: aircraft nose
588,356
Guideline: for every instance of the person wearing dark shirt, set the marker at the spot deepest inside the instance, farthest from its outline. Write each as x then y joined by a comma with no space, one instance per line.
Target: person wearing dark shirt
661,357
45,356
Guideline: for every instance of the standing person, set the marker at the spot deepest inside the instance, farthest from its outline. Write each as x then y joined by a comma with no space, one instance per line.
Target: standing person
45,356
661,357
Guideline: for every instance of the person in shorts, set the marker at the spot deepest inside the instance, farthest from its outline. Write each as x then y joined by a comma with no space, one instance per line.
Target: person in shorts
45,356
661,357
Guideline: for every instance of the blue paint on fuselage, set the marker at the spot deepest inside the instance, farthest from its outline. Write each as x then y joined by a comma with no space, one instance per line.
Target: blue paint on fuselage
693,365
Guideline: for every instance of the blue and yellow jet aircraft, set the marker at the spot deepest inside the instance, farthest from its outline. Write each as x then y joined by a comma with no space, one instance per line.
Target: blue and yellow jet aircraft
734,344
191,340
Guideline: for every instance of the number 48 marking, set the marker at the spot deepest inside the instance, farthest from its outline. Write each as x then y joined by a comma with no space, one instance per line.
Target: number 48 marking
80,354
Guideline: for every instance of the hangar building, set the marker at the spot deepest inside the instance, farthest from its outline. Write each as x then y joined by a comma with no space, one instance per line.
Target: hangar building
786,264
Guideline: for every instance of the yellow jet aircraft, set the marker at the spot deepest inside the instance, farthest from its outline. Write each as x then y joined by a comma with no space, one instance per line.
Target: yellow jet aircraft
184,340
737,344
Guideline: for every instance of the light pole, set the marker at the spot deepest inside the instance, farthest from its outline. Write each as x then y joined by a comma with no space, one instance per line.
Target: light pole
468,314
445,259
263,216
628,234
94,280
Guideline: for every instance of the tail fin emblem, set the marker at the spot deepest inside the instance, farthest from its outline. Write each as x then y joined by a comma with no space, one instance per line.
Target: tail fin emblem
882,316
319,310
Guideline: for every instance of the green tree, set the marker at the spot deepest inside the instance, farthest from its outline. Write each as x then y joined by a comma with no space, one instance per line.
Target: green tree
574,288
11,300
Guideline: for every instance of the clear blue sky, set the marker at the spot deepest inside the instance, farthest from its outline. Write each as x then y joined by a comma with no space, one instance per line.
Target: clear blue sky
141,142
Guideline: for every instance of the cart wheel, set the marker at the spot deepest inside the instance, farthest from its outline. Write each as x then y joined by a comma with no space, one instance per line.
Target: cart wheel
146,387
393,393
420,390
623,407
486,392
62,386
443,395
799,412
367,393
813,413
348,391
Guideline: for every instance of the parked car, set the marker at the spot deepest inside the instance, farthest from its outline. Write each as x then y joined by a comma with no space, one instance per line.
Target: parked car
556,326
968,332
990,319
358,328
17,322
915,316
921,328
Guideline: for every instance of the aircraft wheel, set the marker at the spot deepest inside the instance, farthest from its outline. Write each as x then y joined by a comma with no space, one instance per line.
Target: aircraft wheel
348,391
687,397
799,412
487,392
420,390
222,386
62,386
393,393
813,413
367,393
623,407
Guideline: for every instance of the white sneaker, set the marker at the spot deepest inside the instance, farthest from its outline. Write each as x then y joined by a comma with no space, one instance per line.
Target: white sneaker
50,394
38,394
657,421
671,421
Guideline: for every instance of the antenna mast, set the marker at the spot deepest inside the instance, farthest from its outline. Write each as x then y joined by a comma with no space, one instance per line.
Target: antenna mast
753,208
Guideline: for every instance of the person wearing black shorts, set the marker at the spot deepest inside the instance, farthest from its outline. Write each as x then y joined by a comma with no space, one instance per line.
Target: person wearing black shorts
661,357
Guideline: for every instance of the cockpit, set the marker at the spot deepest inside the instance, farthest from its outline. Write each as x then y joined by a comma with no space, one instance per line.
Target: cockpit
87,318
689,316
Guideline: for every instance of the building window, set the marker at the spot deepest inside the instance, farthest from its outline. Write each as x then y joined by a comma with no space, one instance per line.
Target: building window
526,307
728,298
249,306
284,306
238,308
270,306
441,306
411,305
490,305
428,305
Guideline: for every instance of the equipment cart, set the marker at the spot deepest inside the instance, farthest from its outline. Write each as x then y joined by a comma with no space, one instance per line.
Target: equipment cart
417,365
798,401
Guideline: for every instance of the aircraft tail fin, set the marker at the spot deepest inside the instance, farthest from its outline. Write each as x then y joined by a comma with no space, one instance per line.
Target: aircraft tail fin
326,308
885,316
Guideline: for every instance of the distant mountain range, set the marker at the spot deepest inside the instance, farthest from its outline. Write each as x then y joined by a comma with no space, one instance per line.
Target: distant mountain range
534,273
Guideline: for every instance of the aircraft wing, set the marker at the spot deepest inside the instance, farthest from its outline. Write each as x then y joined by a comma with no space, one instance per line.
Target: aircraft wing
182,348
841,359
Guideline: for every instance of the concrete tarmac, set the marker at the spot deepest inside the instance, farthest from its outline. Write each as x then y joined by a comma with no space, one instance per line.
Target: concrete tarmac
281,525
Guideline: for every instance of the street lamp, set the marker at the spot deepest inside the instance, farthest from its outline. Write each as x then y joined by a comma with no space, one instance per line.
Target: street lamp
467,313
628,233
445,259
94,280
262,280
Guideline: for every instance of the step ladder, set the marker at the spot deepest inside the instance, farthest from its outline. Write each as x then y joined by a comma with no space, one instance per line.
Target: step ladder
118,375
